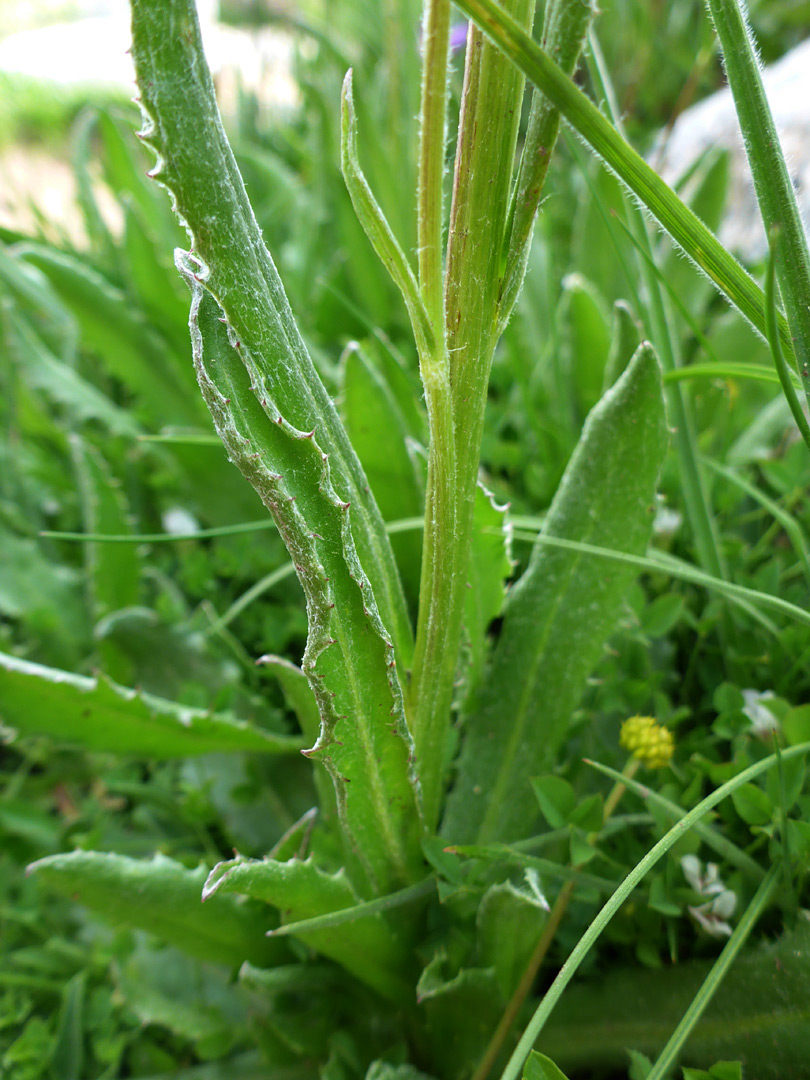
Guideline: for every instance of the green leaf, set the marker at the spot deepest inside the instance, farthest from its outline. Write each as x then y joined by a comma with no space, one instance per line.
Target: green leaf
583,314
459,1010
62,384
280,428
128,346
773,184
300,890
556,797
759,1006
377,228
379,432
796,725
509,924
539,1067
752,804
561,612
99,715
163,898
163,987
385,1070
659,617
113,570
625,338
68,1050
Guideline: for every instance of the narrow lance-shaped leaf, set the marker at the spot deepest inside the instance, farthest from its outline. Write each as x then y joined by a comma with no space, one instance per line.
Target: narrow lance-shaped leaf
281,429
99,715
562,610
113,570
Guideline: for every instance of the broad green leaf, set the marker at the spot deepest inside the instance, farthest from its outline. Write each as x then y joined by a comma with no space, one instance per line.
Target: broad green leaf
164,987
125,172
83,154
369,948
752,804
98,715
113,570
509,924
540,1067
153,280
37,303
561,612
349,659
280,428
162,897
196,164
32,585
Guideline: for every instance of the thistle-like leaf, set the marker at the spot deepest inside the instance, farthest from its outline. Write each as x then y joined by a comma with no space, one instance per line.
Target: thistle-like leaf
281,429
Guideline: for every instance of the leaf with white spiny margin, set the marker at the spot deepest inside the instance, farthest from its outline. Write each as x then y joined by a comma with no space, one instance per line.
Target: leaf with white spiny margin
281,429
162,897
99,715
369,948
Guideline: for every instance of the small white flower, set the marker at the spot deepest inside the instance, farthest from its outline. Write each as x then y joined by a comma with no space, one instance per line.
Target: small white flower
177,520
721,902
666,521
763,721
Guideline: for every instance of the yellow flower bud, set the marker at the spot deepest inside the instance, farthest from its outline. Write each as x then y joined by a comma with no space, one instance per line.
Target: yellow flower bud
650,742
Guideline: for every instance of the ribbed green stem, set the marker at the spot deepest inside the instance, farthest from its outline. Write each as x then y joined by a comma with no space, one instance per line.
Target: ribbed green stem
772,183
456,380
